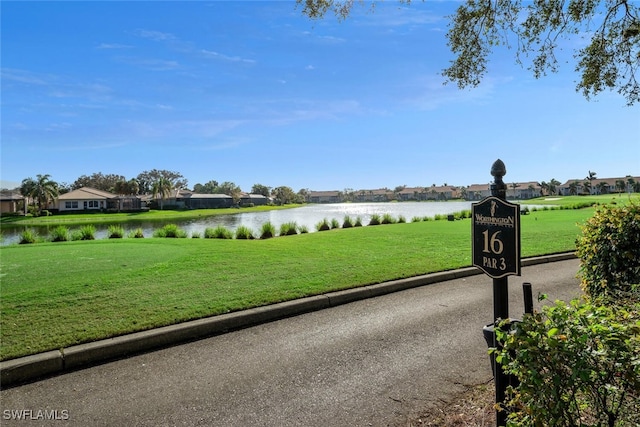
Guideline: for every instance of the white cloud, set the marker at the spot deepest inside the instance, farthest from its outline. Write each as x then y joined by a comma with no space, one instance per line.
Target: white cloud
58,126
151,63
181,128
154,35
216,55
331,39
113,46
91,91
429,92
22,76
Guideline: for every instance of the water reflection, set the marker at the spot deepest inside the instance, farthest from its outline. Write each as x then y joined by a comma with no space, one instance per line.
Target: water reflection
307,216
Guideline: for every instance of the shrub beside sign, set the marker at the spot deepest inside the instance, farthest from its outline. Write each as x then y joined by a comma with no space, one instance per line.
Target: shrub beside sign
496,237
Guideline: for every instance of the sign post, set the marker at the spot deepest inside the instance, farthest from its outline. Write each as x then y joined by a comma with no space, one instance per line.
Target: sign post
496,251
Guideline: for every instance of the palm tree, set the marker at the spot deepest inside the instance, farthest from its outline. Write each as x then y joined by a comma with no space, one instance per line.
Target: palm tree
573,188
42,189
588,185
513,187
553,186
630,183
602,187
162,187
531,189
544,187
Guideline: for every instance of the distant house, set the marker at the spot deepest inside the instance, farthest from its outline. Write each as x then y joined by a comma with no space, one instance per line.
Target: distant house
253,199
597,186
445,192
478,191
515,190
188,200
325,197
11,202
378,195
91,199
523,190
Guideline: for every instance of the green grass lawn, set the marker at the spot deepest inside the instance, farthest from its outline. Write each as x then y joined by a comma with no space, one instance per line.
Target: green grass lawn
55,295
569,201
154,215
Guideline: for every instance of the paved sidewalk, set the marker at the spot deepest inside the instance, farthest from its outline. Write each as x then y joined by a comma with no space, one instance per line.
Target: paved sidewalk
53,362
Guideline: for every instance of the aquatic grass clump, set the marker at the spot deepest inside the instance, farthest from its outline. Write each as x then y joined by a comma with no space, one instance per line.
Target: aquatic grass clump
388,219
358,222
268,230
323,225
137,233
28,236
402,219
347,222
303,229
375,219
416,219
288,228
335,223
115,232
171,231
60,234
219,232
465,213
244,232
86,232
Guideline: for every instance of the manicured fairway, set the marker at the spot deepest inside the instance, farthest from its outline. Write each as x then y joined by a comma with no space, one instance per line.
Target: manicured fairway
58,294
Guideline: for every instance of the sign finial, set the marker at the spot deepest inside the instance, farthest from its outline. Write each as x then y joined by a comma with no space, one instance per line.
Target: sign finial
498,170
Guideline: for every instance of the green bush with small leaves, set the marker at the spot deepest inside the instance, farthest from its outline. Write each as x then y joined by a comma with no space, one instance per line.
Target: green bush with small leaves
578,365
609,250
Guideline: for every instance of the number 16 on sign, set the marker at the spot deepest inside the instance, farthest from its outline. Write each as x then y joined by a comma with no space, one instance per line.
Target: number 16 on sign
496,237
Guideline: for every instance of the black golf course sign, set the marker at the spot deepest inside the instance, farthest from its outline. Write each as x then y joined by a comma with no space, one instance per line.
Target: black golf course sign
496,237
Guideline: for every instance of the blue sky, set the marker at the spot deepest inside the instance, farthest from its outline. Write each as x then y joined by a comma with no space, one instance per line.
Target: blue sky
255,92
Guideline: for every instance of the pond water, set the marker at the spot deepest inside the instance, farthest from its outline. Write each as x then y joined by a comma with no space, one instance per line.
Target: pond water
308,216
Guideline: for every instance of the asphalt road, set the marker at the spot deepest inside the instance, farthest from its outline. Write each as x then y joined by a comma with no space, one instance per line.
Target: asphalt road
376,362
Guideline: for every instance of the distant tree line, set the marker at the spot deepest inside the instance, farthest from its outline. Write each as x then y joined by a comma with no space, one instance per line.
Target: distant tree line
42,190
162,183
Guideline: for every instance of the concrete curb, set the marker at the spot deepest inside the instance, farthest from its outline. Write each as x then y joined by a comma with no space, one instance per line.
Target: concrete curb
30,368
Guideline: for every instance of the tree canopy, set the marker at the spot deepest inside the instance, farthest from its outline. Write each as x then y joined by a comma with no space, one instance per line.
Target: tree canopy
99,181
608,34
42,189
